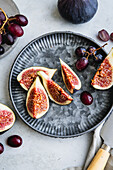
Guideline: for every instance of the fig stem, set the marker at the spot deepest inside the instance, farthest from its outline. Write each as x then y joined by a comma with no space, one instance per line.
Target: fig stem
4,22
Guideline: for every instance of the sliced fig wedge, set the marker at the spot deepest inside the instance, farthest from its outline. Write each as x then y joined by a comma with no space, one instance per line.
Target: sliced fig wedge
27,76
70,78
37,101
55,92
103,78
7,118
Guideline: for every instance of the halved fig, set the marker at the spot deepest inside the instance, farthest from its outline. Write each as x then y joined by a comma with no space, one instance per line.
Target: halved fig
103,78
7,118
37,101
27,76
55,92
70,78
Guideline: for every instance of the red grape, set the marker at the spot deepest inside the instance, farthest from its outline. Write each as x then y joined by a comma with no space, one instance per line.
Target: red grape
14,141
86,98
1,148
8,39
81,63
15,30
80,51
21,20
103,35
111,36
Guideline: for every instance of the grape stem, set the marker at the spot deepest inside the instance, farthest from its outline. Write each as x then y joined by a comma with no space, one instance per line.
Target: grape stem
93,51
4,22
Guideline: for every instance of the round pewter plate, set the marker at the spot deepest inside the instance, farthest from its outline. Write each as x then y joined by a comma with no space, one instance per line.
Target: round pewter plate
61,121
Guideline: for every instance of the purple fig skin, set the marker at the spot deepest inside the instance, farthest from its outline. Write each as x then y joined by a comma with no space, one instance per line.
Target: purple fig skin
75,10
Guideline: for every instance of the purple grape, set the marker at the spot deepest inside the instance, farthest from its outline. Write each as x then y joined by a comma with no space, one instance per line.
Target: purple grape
90,49
0,39
111,36
1,23
80,51
2,16
14,141
86,98
103,35
21,20
99,58
1,148
1,50
81,63
8,39
15,30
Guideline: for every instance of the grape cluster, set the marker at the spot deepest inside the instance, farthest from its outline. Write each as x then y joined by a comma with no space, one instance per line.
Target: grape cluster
10,28
84,54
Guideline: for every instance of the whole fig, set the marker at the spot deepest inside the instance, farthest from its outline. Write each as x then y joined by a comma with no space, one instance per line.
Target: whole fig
77,11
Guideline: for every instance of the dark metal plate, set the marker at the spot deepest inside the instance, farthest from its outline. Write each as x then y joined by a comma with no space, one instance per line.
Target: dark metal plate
61,121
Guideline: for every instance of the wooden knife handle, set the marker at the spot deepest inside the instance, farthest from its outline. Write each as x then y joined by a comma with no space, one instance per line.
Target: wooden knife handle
100,160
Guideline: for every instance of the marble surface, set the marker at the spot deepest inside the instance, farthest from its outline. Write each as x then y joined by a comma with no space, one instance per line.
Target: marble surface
40,152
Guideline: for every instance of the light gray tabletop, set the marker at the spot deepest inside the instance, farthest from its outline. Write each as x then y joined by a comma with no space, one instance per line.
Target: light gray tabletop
40,152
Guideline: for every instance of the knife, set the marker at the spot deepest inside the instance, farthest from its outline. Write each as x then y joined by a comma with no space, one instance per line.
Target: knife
101,158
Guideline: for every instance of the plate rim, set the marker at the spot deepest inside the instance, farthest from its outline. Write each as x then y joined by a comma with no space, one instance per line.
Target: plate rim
12,101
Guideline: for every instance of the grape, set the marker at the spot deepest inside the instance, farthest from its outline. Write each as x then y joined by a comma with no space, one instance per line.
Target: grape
2,16
1,148
111,36
15,30
1,23
81,63
14,141
21,20
8,39
86,98
90,49
99,57
0,39
80,51
1,50
103,35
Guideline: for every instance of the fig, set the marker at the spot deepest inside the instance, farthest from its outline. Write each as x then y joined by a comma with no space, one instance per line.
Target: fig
55,92
70,78
37,101
103,78
27,76
77,11
7,118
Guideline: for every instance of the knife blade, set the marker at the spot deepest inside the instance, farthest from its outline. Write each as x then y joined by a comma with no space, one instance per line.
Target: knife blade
101,158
